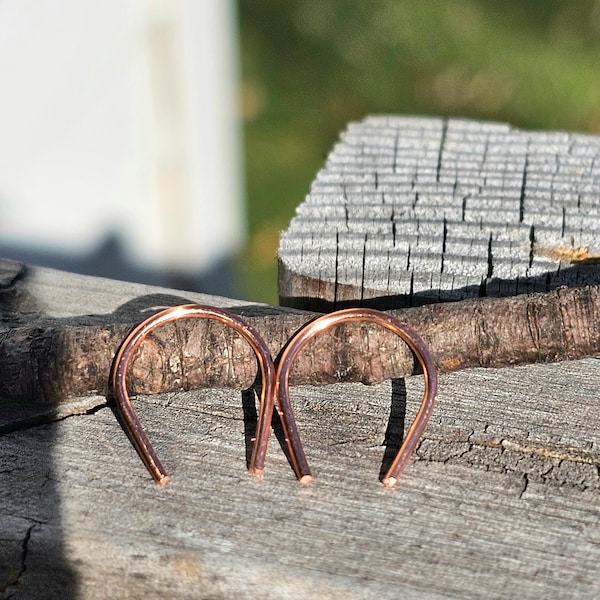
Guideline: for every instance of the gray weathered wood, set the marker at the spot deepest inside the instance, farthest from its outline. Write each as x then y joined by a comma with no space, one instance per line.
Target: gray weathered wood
502,498
409,211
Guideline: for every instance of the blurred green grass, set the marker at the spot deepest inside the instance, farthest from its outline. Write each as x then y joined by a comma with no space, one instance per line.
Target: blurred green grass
310,66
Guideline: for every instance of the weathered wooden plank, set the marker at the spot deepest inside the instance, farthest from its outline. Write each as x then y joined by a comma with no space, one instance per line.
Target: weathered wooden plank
502,496
416,210
48,354
507,472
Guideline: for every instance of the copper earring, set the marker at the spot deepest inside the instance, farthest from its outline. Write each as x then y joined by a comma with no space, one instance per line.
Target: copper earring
320,324
136,337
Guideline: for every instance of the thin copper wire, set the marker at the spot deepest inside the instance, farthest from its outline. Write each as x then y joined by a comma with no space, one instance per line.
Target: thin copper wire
314,328
136,337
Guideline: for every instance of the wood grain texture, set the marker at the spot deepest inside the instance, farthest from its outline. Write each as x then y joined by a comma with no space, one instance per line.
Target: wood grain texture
51,349
501,499
501,496
409,211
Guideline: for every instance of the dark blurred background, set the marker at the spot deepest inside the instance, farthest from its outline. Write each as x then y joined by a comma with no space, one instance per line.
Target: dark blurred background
309,67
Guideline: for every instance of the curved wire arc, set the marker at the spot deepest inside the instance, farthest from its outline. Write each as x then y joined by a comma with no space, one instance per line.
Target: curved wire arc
314,328
136,337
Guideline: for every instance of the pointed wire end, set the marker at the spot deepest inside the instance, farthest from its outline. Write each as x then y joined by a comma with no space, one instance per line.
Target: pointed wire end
162,480
389,482
305,479
257,472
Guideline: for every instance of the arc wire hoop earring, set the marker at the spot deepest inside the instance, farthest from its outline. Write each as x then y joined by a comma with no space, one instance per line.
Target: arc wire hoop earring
136,337
314,328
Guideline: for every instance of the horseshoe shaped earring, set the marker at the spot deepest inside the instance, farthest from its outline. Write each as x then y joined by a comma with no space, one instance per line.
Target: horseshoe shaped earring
314,328
131,421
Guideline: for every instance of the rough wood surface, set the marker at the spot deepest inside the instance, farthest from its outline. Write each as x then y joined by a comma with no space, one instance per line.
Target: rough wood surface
502,498
409,211
48,355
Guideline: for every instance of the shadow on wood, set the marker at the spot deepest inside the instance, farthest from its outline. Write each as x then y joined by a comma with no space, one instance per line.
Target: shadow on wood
394,433
31,546
322,296
517,488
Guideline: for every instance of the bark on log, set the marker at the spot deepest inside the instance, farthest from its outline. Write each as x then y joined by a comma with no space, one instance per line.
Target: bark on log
54,359
406,211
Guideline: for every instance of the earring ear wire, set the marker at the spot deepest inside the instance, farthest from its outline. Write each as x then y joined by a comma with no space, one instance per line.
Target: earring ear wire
130,419
314,328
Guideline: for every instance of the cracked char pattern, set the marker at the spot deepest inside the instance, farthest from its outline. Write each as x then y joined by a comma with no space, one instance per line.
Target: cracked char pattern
419,210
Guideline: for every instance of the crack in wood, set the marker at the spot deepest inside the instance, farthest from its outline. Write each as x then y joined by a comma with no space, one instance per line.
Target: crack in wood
11,585
540,463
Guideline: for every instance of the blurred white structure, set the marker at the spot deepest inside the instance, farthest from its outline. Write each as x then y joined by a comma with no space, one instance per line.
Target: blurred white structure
120,118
